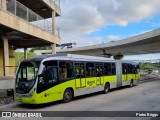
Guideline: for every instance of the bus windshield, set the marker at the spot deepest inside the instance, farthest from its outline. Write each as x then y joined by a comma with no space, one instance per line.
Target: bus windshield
26,77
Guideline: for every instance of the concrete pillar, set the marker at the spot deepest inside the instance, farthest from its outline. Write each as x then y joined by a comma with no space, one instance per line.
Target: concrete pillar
53,31
25,53
53,48
4,6
5,55
54,23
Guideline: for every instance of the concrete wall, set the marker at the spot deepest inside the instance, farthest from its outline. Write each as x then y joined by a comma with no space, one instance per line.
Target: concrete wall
1,61
11,62
7,84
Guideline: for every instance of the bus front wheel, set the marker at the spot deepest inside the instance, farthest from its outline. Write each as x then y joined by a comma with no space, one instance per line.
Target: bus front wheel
67,96
106,88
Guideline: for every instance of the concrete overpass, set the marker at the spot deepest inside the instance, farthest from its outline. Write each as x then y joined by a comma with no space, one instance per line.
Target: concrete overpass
146,43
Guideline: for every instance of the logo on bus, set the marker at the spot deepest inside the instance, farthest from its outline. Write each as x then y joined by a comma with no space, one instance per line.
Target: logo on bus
90,83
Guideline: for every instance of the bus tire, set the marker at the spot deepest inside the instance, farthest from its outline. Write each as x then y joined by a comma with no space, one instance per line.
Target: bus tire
67,96
106,88
131,83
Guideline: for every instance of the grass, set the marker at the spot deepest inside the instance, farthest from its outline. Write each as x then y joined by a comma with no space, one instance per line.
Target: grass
19,56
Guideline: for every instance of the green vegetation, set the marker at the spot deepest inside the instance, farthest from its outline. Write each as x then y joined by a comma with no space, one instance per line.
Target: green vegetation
19,56
40,48
145,67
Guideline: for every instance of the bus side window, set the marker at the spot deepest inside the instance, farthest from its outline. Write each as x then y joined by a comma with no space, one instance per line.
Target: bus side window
90,69
108,69
66,70
138,68
113,69
97,70
124,68
82,70
79,70
51,75
135,69
129,68
101,69
132,69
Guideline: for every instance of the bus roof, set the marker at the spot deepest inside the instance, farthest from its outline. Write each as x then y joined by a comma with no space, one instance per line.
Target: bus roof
71,57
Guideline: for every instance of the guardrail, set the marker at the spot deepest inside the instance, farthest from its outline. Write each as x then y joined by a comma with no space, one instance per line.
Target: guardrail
18,9
12,70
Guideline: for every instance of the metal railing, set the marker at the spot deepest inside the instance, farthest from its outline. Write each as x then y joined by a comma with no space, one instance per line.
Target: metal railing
0,3
11,70
57,2
18,9
58,32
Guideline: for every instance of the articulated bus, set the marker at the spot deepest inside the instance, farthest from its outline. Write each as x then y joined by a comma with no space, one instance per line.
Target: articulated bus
49,78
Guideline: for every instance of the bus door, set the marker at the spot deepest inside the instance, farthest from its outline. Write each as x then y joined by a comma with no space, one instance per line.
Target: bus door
80,75
99,74
48,79
136,71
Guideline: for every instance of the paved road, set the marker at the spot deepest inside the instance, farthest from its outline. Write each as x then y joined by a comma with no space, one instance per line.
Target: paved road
143,97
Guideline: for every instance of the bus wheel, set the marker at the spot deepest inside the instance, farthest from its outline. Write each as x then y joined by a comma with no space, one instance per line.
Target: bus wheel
67,96
131,84
106,88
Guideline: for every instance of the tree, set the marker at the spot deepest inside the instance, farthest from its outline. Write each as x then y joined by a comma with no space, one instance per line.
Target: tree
41,48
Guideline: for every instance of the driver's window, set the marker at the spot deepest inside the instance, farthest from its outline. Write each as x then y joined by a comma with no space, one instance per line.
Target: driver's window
24,73
49,76
30,73
49,73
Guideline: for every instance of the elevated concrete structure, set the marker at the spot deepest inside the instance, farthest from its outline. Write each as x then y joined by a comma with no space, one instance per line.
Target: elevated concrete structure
23,24
43,8
141,44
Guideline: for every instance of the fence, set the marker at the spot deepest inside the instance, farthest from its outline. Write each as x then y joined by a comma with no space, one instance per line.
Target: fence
12,70
25,13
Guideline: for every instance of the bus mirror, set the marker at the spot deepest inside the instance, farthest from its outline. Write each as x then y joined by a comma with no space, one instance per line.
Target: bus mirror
41,75
41,78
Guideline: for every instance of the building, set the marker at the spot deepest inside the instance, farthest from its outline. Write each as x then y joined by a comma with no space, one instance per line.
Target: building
58,48
24,24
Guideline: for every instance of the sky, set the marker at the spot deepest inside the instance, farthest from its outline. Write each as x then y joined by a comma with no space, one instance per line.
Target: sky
90,22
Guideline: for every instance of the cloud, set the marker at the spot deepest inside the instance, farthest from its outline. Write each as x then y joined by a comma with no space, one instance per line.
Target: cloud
87,40
82,17
143,57
156,25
